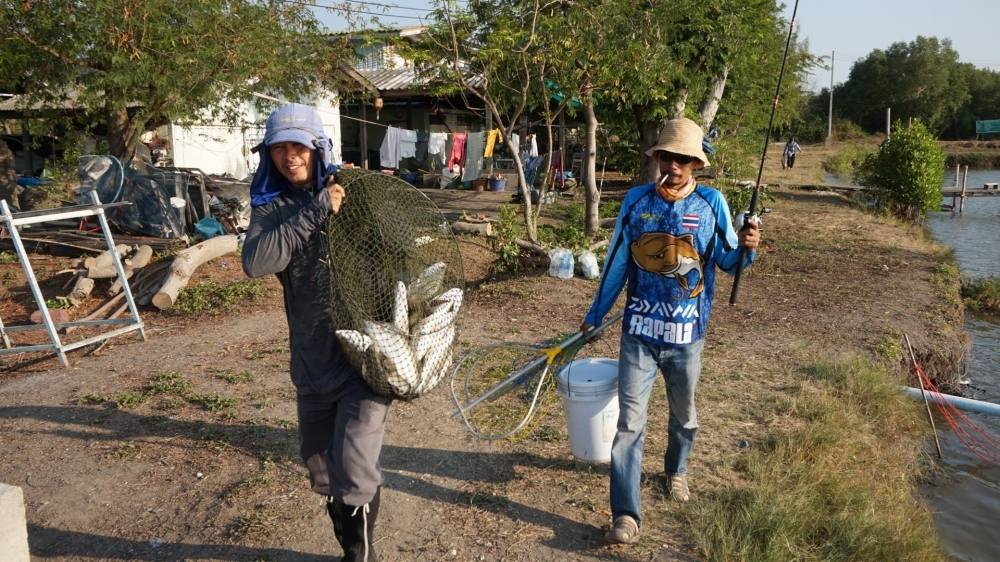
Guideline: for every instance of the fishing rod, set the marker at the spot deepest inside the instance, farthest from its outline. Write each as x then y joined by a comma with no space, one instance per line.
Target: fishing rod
752,211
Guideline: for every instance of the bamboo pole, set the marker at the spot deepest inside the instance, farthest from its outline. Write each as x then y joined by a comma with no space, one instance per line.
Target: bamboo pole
913,359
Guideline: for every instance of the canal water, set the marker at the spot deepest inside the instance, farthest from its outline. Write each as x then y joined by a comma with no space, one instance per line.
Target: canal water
965,497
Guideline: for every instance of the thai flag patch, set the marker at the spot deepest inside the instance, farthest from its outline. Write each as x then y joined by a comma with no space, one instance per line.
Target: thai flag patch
690,221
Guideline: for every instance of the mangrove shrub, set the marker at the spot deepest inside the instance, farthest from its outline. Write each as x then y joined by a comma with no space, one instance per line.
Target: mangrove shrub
906,172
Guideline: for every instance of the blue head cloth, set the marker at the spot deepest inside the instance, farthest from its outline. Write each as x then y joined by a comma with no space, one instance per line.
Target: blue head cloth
293,122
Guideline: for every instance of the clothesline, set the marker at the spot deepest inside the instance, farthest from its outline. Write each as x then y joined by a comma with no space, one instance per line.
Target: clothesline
401,143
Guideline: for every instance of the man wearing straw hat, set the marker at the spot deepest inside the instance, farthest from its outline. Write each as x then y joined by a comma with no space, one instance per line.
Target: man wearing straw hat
341,420
668,241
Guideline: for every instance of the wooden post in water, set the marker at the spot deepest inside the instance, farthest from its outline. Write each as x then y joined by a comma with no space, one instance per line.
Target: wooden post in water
965,184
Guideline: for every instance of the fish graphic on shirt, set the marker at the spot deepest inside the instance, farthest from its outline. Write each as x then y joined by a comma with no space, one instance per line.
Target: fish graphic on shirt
670,256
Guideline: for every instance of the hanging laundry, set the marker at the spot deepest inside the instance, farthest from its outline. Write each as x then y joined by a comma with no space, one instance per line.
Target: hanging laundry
407,144
474,145
515,143
422,138
533,150
491,141
457,150
389,151
435,147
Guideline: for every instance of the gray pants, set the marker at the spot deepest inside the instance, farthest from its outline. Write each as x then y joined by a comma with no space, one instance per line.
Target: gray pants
341,437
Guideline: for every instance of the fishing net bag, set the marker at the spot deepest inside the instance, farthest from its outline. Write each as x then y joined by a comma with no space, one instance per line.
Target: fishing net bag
396,284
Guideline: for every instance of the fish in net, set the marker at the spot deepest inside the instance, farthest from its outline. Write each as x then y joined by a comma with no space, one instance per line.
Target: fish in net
396,284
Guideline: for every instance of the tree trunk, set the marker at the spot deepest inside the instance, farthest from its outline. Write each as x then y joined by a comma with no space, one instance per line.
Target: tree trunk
648,132
122,133
186,262
710,106
680,104
593,201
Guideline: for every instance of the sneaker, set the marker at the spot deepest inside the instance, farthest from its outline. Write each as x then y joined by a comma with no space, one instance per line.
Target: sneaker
679,488
625,530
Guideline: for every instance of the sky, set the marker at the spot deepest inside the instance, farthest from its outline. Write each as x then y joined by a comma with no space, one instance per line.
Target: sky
851,28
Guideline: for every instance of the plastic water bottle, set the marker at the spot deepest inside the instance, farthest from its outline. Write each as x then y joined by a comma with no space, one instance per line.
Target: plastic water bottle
561,263
588,265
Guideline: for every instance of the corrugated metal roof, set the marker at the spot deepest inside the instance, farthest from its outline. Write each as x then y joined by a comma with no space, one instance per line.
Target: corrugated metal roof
394,79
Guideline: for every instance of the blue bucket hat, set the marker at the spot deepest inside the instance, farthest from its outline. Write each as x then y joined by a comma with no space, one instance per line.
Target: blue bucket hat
293,122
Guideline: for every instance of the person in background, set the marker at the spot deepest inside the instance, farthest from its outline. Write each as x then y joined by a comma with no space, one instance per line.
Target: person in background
669,239
788,155
341,420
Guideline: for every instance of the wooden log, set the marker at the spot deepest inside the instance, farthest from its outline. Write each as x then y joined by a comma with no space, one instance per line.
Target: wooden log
103,265
479,229
531,247
598,245
186,262
81,289
138,260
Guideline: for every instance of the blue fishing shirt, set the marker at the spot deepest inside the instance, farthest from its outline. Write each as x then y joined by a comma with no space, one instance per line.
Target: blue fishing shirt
666,254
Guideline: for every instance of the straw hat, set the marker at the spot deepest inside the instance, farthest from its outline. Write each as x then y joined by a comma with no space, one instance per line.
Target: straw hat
680,136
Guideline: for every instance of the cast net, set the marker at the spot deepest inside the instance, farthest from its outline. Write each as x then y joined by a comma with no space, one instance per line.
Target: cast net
396,284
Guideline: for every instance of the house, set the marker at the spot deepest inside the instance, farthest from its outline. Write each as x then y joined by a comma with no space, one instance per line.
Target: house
215,147
395,95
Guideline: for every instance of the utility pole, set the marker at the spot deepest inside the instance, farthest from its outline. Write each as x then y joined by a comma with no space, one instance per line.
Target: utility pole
888,122
829,117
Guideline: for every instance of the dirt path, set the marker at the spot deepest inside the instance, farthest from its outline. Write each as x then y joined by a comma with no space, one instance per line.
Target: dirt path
198,459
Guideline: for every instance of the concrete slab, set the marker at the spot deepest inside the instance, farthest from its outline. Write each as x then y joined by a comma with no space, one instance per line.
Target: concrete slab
13,526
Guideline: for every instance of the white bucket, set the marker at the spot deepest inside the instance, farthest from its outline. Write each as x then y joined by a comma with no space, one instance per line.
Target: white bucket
589,389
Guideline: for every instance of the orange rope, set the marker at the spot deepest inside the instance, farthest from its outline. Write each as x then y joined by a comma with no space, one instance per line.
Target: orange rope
982,444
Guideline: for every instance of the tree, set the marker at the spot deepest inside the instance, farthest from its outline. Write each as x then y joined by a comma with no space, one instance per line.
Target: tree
132,64
983,103
918,80
906,171
488,54
641,62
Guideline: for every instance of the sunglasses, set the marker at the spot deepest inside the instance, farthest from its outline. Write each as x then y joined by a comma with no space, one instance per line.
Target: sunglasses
682,159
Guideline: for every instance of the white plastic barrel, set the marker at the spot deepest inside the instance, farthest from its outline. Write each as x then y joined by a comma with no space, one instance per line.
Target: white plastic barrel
589,390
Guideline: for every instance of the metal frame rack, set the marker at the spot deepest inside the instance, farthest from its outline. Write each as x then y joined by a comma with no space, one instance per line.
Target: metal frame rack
125,325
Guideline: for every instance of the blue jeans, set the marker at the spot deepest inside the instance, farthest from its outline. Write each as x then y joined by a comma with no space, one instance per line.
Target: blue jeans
638,363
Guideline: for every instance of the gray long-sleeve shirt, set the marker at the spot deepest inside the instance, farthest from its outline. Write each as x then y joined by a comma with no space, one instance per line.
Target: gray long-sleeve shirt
285,238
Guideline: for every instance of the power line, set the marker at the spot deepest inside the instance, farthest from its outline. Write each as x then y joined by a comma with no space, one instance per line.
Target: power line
363,3
351,11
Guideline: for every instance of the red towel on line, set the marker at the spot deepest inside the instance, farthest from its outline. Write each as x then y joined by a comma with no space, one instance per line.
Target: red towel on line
457,150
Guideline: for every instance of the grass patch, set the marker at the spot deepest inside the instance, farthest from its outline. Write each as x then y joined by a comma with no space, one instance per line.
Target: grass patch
170,382
231,376
255,524
982,295
7,258
176,391
845,161
835,487
888,346
212,297
947,279
212,402
120,400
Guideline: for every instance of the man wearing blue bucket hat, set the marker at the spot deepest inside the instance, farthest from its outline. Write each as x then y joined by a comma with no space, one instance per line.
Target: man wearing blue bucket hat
668,241
341,421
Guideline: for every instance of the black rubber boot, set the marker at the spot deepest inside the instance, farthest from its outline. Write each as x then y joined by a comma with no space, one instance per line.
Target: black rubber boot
355,528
